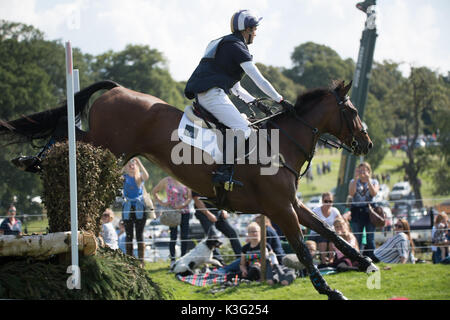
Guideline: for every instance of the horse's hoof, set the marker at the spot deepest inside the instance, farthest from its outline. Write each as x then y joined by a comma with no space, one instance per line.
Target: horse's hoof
367,265
372,268
336,295
29,164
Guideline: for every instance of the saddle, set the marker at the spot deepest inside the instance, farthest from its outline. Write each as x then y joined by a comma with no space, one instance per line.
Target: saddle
223,178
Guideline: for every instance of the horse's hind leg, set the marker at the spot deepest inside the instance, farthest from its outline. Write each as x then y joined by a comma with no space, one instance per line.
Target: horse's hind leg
311,221
290,226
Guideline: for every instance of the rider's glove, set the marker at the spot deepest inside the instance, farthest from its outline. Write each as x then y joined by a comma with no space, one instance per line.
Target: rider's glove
287,106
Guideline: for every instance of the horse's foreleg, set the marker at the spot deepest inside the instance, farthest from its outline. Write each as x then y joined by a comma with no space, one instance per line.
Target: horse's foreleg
311,221
290,226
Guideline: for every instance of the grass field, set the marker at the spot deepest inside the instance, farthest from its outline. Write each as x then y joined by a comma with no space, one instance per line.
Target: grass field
415,282
323,183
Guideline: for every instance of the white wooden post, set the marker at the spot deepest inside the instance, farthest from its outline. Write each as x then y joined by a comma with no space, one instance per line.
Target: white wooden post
76,278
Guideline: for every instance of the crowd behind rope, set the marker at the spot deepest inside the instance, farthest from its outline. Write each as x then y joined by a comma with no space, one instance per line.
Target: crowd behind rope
353,225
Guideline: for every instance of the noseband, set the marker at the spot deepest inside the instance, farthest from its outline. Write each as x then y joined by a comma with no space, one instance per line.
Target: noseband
342,104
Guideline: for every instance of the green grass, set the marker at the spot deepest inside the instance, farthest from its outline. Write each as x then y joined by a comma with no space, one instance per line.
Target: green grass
415,282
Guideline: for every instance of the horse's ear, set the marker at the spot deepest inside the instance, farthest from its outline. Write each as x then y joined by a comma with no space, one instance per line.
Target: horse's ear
347,88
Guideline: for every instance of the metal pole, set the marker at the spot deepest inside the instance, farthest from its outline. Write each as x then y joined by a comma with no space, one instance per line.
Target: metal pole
72,165
359,93
263,247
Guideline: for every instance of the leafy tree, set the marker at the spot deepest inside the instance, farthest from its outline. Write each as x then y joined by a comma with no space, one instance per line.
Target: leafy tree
317,65
142,69
416,95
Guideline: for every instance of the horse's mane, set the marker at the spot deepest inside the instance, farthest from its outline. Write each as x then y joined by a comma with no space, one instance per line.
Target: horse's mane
314,94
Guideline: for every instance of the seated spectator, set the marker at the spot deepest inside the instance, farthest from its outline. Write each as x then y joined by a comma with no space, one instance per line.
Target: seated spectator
341,262
291,260
397,249
273,239
213,220
439,236
108,233
327,213
250,264
11,225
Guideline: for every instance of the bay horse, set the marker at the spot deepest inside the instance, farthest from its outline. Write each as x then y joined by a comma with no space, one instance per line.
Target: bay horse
129,123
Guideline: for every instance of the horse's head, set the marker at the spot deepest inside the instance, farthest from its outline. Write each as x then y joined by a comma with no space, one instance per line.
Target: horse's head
347,126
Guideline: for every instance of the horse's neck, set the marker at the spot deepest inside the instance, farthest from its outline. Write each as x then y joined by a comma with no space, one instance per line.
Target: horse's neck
303,135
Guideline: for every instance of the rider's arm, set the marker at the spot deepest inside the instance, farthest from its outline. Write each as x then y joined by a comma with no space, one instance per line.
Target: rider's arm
241,93
252,71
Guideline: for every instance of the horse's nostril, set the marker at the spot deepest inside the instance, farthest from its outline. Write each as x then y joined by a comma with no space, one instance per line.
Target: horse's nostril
370,145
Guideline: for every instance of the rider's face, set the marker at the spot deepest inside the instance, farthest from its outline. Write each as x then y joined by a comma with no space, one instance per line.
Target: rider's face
249,34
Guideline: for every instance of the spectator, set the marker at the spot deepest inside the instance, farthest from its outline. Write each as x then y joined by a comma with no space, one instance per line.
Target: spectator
340,262
178,198
439,240
108,233
121,236
11,225
397,249
363,189
213,220
250,264
273,239
134,212
327,213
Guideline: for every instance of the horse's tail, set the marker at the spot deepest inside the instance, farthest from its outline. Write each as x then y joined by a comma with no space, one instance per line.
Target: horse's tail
41,125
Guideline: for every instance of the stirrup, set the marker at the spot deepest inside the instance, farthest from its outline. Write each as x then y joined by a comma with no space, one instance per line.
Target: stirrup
224,177
28,163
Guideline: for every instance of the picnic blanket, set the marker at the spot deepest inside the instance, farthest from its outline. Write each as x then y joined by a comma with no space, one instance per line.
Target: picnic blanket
208,278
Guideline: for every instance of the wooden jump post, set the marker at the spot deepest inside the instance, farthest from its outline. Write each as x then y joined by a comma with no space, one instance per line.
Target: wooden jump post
74,282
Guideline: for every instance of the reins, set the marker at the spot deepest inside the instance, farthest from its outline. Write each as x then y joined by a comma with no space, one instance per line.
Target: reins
315,132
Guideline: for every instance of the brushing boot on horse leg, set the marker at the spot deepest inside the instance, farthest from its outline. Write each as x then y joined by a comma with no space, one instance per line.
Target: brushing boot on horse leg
312,222
33,163
293,233
319,283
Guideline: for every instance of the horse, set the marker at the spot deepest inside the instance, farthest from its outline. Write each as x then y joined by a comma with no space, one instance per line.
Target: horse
130,123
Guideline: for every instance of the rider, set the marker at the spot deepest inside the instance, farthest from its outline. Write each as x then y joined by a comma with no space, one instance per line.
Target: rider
223,65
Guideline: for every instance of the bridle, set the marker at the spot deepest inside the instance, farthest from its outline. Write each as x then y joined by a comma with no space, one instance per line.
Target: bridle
342,104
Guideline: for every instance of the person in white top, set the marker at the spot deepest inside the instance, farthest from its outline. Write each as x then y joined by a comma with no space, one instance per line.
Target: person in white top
328,214
108,232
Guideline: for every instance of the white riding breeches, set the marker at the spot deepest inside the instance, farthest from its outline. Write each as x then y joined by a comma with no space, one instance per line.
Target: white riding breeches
216,101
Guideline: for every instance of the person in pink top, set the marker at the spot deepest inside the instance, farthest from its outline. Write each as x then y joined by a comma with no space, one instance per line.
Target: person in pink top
178,198
341,262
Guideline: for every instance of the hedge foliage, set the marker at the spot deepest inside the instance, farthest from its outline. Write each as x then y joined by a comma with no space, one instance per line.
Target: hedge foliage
99,181
109,275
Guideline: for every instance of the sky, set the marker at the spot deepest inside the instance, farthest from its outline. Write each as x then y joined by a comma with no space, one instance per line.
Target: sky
410,32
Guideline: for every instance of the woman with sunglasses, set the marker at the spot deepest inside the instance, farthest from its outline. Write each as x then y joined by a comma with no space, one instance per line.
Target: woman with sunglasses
11,225
397,249
328,214
362,189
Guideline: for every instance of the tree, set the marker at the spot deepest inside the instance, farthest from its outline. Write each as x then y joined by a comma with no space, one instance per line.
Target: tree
415,96
317,65
142,69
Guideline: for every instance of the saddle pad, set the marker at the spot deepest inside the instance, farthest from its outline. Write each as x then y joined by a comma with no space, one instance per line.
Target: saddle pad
201,138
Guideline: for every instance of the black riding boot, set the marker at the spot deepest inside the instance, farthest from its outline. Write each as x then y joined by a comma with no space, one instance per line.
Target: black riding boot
224,174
